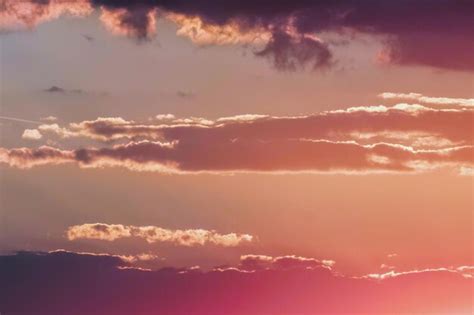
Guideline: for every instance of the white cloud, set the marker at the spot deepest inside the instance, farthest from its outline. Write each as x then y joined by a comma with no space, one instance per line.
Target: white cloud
153,234
32,134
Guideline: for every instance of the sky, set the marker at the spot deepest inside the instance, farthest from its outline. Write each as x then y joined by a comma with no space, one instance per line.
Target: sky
246,157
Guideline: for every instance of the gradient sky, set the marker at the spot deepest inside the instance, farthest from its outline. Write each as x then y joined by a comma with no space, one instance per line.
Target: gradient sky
334,170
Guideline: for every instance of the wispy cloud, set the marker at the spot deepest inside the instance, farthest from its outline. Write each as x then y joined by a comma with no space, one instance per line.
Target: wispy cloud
428,99
20,120
130,259
263,262
49,118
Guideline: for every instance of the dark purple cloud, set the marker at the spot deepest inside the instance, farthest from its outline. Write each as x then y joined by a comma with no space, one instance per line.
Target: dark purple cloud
434,33
69,283
293,52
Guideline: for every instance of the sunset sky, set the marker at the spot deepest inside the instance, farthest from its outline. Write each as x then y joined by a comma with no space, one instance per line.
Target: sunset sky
236,157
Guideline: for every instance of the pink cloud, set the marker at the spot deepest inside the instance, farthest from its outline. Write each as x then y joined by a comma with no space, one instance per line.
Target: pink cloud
403,119
400,138
248,156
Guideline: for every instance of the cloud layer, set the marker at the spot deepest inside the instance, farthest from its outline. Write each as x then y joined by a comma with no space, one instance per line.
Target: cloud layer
405,119
32,282
431,33
275,156
401,138
153,234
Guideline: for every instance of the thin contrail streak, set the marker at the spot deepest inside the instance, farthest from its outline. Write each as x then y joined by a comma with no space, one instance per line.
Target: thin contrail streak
20,120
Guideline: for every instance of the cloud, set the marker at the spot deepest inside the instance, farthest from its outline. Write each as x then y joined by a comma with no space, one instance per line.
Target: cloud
463,271
185,94
466,171
288,51
55,89
241,118
467,271
125,259
385,266
49,118
31,134
165,117
283,45
204,34
15,119
109,285
29,13
403,122
427,99
261,262
248,156
287,30
27,158
60,90
438,50
400,138
136,21
153,234
88,37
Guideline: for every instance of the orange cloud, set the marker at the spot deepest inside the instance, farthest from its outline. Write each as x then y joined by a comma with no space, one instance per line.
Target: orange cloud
153,234
231,33
399,138
16,14
298,155
407,124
